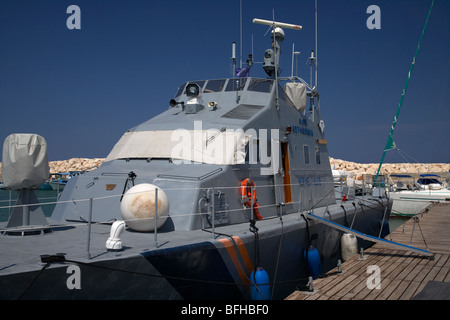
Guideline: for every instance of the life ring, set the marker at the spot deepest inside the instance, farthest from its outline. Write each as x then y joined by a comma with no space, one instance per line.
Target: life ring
247,185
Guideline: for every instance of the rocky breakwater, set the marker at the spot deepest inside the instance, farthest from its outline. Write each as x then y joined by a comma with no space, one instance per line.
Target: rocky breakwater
74,164
359,169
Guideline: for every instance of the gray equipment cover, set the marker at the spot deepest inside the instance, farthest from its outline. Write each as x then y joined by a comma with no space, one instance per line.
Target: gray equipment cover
296,91
25,161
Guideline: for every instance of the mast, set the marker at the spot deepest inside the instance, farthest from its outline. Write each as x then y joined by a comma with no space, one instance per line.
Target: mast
272,57
390,144
240,36
312,61
292,62
316,44
233,58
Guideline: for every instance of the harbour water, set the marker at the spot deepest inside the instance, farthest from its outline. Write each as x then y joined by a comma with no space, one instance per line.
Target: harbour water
397,221
8,198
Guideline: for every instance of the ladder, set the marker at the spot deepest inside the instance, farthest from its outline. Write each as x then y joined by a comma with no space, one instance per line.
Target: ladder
369,237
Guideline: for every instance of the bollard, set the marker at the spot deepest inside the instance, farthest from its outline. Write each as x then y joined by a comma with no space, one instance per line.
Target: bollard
310,284
155,218
361,255
213,215
88,242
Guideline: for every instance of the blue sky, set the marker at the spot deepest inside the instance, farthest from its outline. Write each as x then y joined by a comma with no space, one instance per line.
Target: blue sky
81,89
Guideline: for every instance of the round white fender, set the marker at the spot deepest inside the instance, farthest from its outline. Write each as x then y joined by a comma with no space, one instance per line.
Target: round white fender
138,207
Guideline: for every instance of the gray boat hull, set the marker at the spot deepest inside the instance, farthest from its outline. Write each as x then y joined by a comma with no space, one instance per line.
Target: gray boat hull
211,267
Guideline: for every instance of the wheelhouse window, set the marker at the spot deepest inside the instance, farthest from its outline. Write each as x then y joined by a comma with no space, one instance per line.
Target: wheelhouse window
260,85
306,153
199,83
236,84
180,90
317,149
214,86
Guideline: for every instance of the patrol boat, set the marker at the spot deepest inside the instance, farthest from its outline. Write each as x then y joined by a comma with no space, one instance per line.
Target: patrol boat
211,199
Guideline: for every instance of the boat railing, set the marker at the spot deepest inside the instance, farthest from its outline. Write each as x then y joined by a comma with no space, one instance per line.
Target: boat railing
341,191
299,207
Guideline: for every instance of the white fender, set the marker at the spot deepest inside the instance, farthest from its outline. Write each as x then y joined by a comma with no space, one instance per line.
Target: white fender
138,207
349,246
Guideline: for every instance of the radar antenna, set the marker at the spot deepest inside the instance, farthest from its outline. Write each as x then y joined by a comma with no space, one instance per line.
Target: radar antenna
271,63
277,24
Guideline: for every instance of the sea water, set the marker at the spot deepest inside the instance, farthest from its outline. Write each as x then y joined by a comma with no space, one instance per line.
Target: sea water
47,199
397,221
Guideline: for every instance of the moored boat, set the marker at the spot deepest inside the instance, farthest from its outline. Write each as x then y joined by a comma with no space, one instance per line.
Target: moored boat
414,195
193,203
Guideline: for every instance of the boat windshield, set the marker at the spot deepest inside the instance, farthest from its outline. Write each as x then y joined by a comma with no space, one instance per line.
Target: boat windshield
234,84
223,147
180,90
427,181
260,85
214,86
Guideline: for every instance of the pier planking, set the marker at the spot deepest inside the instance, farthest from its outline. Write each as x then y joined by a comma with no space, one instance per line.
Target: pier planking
403,273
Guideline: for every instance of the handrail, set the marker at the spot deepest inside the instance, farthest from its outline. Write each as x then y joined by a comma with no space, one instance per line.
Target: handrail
274,205
166,189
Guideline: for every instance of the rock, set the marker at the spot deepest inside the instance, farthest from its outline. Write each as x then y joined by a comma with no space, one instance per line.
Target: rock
79,164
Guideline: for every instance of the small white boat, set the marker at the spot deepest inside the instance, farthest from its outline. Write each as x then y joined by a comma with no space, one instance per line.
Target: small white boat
412,199
346,185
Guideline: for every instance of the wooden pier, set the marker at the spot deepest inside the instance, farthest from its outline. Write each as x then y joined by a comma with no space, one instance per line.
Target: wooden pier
383,273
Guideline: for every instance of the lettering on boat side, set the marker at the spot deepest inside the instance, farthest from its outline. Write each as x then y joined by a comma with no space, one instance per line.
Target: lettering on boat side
74,21
374,280
302,128
309,180
374,21
74,280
